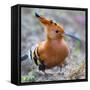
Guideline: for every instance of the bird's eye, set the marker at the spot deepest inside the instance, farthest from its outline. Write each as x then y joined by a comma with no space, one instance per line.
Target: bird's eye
57,31
51,21
55,23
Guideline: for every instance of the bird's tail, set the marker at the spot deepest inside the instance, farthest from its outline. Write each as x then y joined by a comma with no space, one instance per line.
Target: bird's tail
27,55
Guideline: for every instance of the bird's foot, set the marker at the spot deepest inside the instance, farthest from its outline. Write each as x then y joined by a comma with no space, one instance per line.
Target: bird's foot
45,74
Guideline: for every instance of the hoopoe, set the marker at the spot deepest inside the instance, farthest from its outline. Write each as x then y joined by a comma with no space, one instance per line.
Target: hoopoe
53,50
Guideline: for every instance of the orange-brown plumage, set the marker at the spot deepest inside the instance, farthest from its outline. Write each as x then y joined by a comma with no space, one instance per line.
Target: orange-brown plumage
54,49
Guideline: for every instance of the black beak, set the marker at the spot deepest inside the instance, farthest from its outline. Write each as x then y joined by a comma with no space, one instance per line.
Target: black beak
72,36
37,15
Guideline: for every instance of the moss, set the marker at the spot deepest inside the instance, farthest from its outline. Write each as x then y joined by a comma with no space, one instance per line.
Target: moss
28,78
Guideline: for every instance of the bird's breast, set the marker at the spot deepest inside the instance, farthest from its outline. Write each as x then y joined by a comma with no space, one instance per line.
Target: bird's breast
53,53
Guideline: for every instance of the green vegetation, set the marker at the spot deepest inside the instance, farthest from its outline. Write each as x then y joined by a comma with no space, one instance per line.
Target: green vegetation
28,78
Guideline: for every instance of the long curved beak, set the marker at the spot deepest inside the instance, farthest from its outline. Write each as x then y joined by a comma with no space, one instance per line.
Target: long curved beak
72,36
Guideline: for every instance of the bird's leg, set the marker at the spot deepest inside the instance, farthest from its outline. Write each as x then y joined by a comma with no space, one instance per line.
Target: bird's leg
60,68
61,73
61,65
42,68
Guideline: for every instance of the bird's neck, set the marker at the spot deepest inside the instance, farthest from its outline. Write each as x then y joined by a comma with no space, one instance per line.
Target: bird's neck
48,39
53,42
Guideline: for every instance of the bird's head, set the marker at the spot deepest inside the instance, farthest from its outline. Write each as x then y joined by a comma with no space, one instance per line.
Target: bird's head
52,29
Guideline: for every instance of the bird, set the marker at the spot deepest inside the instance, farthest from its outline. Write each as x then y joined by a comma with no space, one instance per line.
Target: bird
54,50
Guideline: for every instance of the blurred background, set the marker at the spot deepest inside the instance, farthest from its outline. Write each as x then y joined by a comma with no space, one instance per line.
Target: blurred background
32,32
